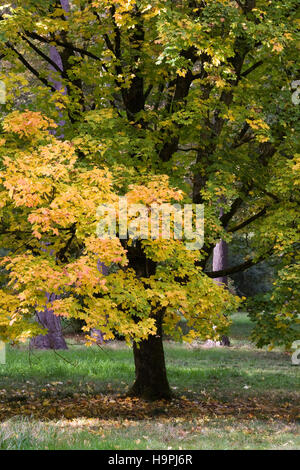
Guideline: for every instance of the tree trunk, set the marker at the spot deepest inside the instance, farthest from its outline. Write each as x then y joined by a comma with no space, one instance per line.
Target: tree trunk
54,338
56,58
220,262
151,380
98,335
95,332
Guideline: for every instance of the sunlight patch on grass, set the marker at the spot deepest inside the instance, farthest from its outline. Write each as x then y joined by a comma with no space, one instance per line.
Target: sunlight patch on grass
22,433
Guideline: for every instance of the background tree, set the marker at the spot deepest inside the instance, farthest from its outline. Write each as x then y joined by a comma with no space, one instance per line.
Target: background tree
54,338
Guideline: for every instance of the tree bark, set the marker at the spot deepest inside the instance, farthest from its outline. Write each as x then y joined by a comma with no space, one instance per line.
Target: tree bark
98,335
95,332
54,338
220,262
151,382
55,56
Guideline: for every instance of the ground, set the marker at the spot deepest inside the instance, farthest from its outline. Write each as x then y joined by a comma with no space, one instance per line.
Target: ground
224,398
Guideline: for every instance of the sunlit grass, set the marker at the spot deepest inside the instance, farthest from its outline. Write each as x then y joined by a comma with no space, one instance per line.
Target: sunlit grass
22,433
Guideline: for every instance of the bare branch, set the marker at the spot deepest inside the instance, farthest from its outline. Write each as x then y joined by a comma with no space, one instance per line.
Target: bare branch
45,57
30,68
253,67
248,221
241,267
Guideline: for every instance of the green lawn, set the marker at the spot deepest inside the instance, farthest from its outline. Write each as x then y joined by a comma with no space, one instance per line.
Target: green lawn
224,398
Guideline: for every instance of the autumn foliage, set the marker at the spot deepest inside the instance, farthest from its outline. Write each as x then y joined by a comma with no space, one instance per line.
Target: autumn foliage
49,202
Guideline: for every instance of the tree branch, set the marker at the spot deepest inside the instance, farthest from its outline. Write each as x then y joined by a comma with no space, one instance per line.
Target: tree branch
65,45
30,68
253,67
239,268
224,219
45,57
248,221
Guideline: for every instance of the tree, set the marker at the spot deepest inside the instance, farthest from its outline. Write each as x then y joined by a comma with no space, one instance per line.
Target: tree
49,204
220,262
54,338
276,314
198,91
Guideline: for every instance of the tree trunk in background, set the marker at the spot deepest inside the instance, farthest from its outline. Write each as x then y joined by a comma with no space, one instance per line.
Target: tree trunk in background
98,335
54,338
95,333
151,380
220,261
55,57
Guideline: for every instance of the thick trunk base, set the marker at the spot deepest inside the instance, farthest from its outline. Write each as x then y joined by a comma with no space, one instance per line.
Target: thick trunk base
54,338
151,381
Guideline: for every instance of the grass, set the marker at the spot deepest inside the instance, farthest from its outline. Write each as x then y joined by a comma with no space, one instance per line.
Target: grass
23,433
232,398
